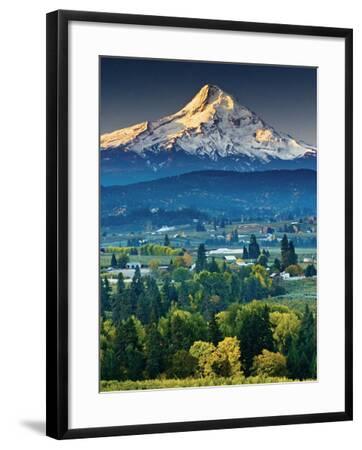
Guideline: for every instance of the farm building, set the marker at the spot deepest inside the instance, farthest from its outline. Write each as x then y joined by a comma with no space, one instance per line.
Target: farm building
308,260
285,275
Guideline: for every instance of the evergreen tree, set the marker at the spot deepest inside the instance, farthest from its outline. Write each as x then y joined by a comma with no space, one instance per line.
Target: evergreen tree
183,296
310,271
154,352
109,370
235,288
181,329
254,249
263,260
245,253
277,265
119,302
167,241
215,335
120,284
284,248
253,288
136,289
171,266
302,355
201,261
143,310
114,260
153,296
255,335
182,365
106,291
168,295
213,266
292,256
129,350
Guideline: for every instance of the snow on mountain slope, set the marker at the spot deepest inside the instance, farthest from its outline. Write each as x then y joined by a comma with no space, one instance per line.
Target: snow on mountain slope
213,124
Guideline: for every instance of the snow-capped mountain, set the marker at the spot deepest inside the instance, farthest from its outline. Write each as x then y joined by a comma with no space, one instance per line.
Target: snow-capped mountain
213,130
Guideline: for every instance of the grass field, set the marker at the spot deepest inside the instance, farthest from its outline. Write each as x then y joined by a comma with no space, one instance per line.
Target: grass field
171,383
299,293
301,289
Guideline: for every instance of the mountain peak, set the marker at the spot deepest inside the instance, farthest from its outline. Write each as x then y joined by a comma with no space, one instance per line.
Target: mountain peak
211,89
212,124
209,95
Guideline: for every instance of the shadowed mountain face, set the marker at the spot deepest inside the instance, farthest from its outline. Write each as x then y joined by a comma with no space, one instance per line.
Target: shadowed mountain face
212,192
213,131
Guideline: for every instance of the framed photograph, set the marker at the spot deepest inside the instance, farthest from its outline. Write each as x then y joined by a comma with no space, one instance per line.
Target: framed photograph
199,224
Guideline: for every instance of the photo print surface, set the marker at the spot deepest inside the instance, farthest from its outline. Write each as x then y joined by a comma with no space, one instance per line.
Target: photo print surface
208,224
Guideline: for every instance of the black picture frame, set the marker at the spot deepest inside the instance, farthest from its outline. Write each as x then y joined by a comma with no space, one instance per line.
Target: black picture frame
57,223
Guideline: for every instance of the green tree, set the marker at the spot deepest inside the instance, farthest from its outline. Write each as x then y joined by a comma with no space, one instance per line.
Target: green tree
166,241
263,260
129,350
292,256
180,329
114,260
108,360
216,291
245,253
277,267
136,289
154,352
257,284
284,249
235,287
183,296
255,333
120,301
302,357
310,271
183,365
143,309
168,295
254,249
181,274
269,364
288,255
201,261
213,266
154,298
215,335
106,291
171,266
123,259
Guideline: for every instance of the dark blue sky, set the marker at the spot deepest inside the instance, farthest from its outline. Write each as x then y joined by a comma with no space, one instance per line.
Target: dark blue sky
135,90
